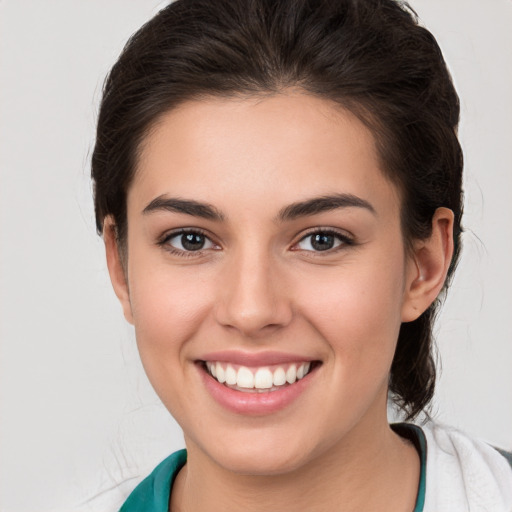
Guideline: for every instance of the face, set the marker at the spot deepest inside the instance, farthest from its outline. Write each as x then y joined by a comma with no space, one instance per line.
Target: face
264,247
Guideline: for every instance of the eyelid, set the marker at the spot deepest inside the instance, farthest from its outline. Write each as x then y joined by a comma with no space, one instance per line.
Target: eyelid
167,235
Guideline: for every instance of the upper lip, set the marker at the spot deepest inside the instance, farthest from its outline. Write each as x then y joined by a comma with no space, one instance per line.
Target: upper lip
254,358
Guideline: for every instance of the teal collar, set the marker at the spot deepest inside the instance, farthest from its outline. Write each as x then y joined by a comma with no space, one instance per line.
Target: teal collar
414,434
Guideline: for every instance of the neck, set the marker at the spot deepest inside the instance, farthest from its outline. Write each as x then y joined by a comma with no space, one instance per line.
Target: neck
371,469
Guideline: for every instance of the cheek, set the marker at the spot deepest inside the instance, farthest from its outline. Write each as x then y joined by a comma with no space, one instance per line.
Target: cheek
357,309
168,305
169,309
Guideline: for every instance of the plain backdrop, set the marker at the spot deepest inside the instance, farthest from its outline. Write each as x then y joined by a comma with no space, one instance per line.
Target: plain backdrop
79,424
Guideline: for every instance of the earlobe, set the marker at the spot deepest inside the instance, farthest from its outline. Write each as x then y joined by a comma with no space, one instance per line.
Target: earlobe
428,266
115,268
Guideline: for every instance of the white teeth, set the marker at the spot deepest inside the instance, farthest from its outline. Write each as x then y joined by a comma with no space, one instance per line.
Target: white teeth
244,378
263,379
302,370
230,375
291,374
279,377
220,373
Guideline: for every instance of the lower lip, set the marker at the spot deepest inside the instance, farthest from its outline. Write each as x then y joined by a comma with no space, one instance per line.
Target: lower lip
255,404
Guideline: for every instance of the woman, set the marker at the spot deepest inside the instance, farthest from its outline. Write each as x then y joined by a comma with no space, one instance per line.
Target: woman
279,189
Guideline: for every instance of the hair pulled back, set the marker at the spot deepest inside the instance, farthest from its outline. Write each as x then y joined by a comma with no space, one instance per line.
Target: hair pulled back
369,56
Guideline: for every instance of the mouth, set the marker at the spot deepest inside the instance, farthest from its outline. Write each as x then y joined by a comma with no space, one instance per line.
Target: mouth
258,379
258,383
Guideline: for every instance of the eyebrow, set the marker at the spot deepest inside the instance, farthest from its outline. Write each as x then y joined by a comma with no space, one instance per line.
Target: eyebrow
186,206
323,204
293,211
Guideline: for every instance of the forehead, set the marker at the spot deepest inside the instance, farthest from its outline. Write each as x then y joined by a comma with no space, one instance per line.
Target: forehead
265,150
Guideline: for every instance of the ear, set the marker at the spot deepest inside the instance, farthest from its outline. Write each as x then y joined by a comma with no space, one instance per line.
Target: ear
428,266
116,269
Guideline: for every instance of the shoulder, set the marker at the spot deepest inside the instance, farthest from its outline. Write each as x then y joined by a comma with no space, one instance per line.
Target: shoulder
152,494
507,455
465,473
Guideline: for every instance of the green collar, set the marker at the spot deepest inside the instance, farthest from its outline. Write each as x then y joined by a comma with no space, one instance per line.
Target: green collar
414,434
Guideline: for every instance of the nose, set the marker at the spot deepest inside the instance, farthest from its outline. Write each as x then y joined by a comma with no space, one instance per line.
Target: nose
253,296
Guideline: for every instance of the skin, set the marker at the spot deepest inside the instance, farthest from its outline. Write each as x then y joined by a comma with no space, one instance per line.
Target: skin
259,285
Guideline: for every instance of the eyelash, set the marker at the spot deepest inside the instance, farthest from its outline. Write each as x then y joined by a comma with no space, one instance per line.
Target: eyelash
164,242
344,239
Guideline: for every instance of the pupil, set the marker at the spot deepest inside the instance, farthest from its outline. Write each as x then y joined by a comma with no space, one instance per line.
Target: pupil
192,241
322,242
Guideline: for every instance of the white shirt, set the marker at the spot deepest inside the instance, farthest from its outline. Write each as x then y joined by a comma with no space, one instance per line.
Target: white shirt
464,474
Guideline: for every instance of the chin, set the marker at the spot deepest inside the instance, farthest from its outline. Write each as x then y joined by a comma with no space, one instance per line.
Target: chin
260,454
262,464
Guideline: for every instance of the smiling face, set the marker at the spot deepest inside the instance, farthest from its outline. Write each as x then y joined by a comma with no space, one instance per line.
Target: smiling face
264,247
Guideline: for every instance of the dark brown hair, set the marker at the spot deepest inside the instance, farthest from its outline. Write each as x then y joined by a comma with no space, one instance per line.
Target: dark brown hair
370,56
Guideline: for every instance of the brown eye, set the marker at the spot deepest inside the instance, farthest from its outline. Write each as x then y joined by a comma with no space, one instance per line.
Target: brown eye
192,241
323,241
189,241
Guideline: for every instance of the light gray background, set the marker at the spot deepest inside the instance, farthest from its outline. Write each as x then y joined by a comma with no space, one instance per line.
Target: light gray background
77,415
